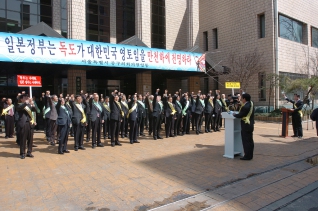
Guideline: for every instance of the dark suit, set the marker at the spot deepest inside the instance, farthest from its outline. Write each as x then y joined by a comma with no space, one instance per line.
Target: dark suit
217,114
170,117
177,122
157,118
198,111
25,125
9,121
296,117
133,122
141,117
124,123
115,119
106,125
208,112
64,123
96,116
314,117
50,117
247,130
149,106
186,115
77,124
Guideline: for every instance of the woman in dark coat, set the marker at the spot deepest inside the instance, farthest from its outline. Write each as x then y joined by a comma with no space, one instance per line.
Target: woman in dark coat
314,117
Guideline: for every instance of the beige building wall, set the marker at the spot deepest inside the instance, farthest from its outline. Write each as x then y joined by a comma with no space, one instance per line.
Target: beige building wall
143,21
238,31
293,56
76,19
56,17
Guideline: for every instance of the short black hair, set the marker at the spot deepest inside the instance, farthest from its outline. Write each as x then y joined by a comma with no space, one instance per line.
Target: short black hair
247,97
230,95
106,97
22,96
297,95
77,96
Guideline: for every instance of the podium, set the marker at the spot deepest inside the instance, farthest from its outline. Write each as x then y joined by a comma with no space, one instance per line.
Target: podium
233,140
285,121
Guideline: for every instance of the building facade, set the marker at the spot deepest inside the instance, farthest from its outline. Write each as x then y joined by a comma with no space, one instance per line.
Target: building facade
227,28
163,24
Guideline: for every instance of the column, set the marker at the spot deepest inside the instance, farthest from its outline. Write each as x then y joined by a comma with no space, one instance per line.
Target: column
194,84
56,25
76,80
193,23
143,21
143,82
76,19
112,17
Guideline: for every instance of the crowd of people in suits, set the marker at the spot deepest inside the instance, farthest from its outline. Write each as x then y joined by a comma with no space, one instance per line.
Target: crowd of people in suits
111,117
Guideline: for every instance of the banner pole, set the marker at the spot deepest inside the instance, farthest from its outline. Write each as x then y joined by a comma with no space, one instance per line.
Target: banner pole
30,91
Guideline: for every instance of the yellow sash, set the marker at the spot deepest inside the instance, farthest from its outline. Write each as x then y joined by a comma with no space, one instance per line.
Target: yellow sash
247,118
107,107
211,102
131,110
125,104
122,113
79,106
5,111
30,114
226,108
300,112
172,108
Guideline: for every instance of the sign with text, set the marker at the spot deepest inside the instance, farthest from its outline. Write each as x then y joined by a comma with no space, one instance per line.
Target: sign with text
29,80
49,50
232,85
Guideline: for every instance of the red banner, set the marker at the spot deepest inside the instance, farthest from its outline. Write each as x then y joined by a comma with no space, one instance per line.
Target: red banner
29,80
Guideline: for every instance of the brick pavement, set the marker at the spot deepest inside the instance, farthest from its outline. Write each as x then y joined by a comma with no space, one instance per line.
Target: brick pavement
140,176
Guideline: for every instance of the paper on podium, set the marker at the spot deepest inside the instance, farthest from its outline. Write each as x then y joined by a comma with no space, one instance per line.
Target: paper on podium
227,115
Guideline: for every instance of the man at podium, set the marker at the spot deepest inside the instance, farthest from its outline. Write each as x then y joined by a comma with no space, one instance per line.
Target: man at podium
296,115
246,114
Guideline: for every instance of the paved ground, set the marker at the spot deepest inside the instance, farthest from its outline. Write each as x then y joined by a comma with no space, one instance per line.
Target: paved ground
158,173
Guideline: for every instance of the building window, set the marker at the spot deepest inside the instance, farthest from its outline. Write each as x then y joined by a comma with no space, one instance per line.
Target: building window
98,20
262,86
215,38
261,24
314,37
205,41
158,24
64,18
125,19
290,29
18,15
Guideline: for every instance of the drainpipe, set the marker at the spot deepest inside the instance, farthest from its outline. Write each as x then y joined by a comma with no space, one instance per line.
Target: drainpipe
276,51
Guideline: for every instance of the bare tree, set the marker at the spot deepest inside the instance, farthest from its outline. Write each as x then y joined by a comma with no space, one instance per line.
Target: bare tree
243,68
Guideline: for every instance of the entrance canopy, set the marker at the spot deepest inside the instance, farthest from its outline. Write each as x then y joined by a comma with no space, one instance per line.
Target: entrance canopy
52,50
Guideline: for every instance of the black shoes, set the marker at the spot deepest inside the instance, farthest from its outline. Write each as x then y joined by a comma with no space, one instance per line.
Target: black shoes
294,136
22,156
100,145
76,149
113,144
117,143
61,153
82,148
66,151
30,155
6,137
94,146
159,137
155,138
136,141
131,142
244,158
87,140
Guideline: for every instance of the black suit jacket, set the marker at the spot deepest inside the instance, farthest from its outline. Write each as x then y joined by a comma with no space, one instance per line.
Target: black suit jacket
243,113
94,111
63,118
183,102
167,109
77,114
217,106
314,117
176,104
106,112
142,110
198,106
208,107
133,115
156,107
115,111
23,114
299,104
124,108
